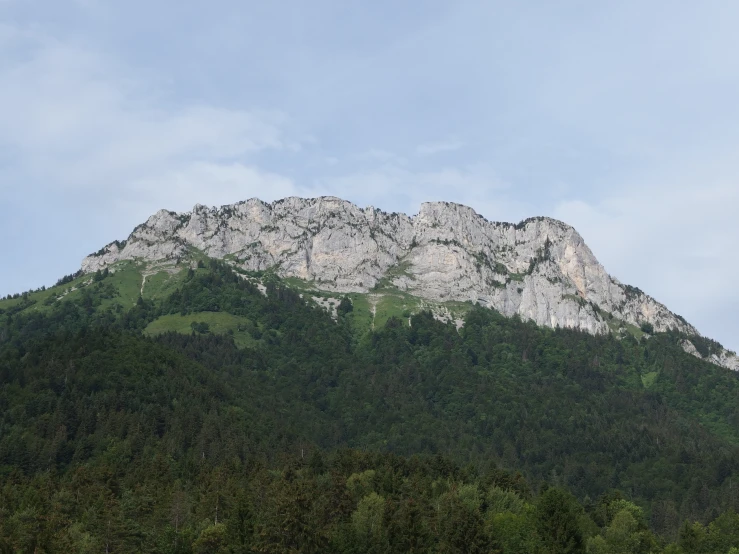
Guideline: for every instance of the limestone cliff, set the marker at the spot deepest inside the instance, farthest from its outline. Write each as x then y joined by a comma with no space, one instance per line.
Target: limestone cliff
540,269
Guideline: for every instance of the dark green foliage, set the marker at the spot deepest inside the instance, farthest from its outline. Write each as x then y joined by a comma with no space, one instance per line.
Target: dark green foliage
19,307
345,306
632,292
647,328
200,327
100,275
558,522
69,278
110,439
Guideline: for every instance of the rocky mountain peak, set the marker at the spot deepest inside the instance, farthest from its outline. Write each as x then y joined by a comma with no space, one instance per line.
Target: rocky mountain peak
540,268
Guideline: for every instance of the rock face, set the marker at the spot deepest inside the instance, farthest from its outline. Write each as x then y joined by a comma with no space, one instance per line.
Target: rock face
540,269
723,358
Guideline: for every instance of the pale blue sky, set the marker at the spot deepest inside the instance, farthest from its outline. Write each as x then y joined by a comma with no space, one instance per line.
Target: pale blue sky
620,118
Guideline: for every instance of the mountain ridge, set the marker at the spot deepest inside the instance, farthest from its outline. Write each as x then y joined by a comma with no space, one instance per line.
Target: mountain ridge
539,269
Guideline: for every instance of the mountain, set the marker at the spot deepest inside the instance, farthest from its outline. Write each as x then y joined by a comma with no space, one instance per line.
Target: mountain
189,405
540,268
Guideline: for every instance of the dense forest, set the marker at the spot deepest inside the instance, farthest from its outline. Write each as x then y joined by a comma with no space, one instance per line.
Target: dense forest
309,434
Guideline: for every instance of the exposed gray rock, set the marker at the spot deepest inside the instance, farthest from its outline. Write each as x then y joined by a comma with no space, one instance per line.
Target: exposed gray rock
540,269
329,304
725,358
690,348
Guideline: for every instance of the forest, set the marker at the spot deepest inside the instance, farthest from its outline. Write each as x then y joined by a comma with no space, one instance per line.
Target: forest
308,434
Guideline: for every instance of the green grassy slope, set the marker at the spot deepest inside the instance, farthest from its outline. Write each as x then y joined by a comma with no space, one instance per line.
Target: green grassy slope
219,323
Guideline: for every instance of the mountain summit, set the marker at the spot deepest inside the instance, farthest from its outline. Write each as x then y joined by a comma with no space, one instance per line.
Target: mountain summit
539,269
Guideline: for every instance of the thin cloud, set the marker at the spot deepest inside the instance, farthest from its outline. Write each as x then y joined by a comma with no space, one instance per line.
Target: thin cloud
375,155
431,148
76,116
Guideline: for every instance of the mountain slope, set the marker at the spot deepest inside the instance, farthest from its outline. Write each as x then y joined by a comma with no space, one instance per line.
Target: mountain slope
540,269
85,383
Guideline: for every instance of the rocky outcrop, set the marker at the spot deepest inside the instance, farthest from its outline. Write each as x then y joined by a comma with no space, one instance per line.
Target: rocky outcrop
540,269
723,357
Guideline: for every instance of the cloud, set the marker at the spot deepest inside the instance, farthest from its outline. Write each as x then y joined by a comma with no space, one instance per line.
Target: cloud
375,155
77,119
431,148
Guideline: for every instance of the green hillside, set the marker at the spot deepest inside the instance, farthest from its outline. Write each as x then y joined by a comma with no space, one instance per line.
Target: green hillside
131,422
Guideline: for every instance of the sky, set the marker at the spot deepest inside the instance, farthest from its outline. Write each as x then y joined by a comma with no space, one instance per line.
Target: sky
619,118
